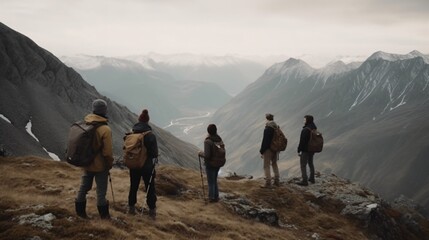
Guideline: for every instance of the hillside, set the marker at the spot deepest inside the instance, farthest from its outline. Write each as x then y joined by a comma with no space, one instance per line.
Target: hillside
37,200
40,98
372,117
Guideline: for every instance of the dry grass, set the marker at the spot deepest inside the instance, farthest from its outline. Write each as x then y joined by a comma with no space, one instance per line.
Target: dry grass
182,214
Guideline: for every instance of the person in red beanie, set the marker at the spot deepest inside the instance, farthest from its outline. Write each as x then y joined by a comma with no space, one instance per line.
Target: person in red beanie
147,171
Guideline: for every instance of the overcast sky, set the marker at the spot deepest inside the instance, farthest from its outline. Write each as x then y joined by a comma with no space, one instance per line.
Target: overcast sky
220,27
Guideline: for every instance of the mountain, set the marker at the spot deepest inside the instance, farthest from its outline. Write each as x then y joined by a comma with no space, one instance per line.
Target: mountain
232,73
41,97
34,204
371,115
139,85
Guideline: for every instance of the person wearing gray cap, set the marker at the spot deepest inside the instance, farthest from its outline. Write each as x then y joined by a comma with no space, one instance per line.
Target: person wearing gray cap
99,168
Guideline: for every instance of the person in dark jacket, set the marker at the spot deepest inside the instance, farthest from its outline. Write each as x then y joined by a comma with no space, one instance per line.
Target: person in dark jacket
208,154
99,168
269,156
147,172
306,157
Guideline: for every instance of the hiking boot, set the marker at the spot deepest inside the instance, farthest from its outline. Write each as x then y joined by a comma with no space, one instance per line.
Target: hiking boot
80,208
213,200
302,183
312,180
104,211
277,183
131,210
152,213
266,185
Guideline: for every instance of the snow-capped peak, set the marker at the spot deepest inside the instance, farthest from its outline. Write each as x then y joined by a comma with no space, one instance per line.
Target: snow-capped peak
86,62
395,57
187,59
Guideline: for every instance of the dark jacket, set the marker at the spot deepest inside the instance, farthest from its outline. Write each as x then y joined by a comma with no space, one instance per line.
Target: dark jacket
149,140
208,146
268,136
305,137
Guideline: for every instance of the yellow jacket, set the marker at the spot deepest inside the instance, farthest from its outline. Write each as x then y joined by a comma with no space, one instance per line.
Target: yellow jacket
103,139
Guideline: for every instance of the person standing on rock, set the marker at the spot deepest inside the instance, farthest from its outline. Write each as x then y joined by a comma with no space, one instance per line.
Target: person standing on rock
269,156
306,157
214,158
99,168
147,172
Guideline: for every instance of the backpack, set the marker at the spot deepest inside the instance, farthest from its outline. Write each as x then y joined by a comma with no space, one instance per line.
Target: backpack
279,141
315,144
219,155
80,150
134,150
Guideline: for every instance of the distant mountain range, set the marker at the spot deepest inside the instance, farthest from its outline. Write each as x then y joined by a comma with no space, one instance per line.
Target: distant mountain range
373,116
41,97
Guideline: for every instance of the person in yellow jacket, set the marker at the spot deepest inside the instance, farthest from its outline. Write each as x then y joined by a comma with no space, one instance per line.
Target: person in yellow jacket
99,168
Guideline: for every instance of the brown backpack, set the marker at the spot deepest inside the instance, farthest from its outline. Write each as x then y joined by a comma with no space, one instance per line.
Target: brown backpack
219,155
279,142
80,150
134,150
315,144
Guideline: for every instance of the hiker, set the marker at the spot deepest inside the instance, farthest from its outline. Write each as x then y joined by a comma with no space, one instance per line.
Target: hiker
270,157
147,172
100,166
306,157
214,159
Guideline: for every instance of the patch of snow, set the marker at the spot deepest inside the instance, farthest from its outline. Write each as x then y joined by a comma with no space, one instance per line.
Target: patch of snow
30,132
329,114
5,118
187,59
372,206
35,220
28,129
83,62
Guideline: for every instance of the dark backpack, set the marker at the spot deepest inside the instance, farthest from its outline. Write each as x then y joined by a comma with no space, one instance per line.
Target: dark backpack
80,152
279,141
315,144
218,155
134,150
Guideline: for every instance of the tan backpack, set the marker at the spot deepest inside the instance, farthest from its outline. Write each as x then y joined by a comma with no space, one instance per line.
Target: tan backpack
134,150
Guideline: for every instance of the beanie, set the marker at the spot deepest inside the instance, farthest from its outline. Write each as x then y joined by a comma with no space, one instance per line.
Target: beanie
144,116
99,107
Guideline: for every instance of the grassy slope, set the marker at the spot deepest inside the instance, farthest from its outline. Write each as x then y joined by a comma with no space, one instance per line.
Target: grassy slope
29,181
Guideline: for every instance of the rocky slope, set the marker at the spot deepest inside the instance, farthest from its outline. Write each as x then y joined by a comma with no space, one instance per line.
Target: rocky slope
37,202
41,97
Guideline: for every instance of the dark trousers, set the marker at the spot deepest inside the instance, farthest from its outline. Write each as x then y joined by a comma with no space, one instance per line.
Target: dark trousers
307,158
145,174
212,173
86,185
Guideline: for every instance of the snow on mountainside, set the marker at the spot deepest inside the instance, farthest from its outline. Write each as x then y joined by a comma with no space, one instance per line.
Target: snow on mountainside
86,62
396,57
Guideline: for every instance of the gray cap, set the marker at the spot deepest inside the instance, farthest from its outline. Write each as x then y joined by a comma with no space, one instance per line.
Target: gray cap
99,107
269,116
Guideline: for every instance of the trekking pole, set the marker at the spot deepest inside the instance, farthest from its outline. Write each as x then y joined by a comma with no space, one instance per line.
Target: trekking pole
202,181
155,161
111,187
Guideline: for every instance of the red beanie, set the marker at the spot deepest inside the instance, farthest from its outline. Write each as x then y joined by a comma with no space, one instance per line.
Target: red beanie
144,116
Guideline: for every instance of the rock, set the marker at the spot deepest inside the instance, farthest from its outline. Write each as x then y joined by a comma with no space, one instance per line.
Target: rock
247,209
44,221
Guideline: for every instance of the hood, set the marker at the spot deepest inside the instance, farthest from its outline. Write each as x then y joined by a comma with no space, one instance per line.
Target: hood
141,127
90,118
310,125
271,124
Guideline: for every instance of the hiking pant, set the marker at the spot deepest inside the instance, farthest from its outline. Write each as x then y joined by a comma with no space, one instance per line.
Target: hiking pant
143,173
86,185
212,173
270,158
307,158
